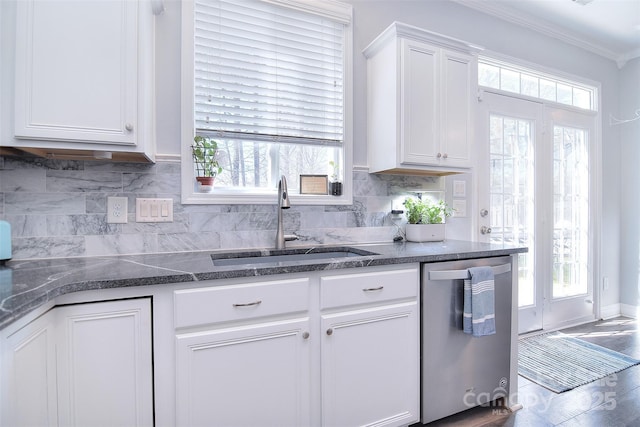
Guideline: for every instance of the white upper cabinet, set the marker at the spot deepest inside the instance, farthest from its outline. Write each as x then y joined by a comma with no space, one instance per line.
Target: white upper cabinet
84,76
420,91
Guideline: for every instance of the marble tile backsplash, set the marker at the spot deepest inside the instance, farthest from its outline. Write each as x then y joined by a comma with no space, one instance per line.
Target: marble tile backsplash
57,208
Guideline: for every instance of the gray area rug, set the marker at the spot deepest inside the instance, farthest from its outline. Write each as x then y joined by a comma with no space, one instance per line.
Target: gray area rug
560,362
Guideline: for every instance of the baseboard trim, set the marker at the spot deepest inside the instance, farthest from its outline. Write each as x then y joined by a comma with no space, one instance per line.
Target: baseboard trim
610,311
629,310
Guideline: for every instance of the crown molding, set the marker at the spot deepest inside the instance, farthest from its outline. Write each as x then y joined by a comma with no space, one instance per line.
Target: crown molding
535,24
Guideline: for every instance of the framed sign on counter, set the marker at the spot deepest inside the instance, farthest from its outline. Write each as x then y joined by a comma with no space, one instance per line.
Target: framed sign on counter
314,184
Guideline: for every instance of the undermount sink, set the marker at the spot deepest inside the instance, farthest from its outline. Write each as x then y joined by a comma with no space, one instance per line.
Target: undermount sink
286,255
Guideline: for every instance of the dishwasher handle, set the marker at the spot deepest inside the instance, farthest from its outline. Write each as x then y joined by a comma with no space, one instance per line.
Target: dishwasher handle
464,274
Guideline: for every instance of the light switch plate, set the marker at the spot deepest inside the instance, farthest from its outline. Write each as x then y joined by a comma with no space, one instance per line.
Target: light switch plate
459,208
154,210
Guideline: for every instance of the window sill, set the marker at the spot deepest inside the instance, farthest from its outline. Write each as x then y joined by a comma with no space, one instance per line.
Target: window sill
222,197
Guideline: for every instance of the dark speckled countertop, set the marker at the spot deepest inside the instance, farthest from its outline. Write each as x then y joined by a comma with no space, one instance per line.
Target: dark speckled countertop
26,285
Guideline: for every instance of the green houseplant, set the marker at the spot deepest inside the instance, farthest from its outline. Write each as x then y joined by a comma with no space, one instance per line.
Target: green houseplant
426,219
205,160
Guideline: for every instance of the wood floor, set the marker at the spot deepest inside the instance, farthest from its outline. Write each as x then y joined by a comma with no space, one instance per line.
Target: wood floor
611,402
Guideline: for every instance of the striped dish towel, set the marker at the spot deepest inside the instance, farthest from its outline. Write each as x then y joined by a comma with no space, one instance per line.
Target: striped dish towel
479,303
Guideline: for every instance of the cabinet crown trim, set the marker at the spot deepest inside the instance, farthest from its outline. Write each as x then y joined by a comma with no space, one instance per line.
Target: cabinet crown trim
399,29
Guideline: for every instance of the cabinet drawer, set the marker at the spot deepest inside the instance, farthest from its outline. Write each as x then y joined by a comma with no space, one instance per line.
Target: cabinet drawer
364,288
238,302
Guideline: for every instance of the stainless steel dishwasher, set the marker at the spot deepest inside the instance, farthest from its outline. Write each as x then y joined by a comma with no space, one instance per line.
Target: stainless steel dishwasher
460,371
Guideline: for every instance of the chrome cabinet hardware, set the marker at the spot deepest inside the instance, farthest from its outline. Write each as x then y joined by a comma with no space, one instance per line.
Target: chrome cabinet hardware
330,331
485,230
305,335
379,288
248,304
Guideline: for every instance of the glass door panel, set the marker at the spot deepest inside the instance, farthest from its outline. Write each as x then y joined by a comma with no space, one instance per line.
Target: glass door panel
507,158
536,188
511,194
573,241
570,212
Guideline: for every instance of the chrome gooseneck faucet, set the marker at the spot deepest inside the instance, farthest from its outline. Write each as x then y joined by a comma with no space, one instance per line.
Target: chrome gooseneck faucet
283,203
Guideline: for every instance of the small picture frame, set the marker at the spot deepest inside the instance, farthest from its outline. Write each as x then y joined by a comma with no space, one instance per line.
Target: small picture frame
314,184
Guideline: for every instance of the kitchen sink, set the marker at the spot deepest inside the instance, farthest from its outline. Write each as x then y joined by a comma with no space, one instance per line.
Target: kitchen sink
279,256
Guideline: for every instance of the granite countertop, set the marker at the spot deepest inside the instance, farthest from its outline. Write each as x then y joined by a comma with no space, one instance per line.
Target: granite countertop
26,285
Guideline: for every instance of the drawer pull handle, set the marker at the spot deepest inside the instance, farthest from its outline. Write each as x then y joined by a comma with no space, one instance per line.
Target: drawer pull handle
248,304
379,288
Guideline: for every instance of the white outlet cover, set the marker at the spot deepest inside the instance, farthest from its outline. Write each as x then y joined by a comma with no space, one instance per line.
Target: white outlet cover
117,210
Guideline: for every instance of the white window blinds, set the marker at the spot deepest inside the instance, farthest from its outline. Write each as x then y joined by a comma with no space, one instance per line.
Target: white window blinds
264,72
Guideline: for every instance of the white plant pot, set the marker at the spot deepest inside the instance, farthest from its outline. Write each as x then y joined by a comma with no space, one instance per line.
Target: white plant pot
424,232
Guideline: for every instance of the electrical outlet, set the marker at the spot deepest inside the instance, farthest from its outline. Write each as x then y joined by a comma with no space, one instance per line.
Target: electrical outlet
116,210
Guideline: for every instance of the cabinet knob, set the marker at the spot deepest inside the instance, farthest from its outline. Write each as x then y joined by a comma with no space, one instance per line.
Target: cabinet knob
439,155
485,230
445,155
484,212
128,127
305,335
330,331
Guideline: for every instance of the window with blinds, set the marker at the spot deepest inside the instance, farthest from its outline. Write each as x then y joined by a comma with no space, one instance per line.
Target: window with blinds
269,85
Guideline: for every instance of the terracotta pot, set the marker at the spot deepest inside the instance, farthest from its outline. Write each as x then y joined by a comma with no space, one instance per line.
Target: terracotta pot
425,232
205,183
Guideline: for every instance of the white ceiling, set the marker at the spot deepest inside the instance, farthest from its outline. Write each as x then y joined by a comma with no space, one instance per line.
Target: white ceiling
610,28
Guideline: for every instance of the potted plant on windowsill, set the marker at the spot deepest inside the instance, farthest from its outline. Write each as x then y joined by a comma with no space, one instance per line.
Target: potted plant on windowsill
335,185
426,220
205,160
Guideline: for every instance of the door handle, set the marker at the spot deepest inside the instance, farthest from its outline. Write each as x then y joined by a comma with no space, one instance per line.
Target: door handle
464,274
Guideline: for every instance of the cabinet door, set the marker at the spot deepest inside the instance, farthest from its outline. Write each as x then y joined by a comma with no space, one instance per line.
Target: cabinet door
419,104
458,86
370,369
29,376
76,70
105,364
254,375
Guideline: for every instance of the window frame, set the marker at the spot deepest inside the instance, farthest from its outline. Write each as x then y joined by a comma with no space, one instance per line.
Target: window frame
540,71
330,9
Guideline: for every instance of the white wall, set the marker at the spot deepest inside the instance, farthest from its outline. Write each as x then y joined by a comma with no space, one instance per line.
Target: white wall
630,186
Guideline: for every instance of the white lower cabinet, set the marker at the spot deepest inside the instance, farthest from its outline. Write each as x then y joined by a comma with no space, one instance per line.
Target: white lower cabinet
104,364
328,349
249,361
255,375
370,349
81,365
369,372
29,396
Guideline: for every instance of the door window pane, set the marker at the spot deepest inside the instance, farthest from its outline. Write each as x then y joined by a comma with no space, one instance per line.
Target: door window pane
570,212
512,189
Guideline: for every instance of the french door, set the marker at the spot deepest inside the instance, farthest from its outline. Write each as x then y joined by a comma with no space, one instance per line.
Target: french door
534,178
